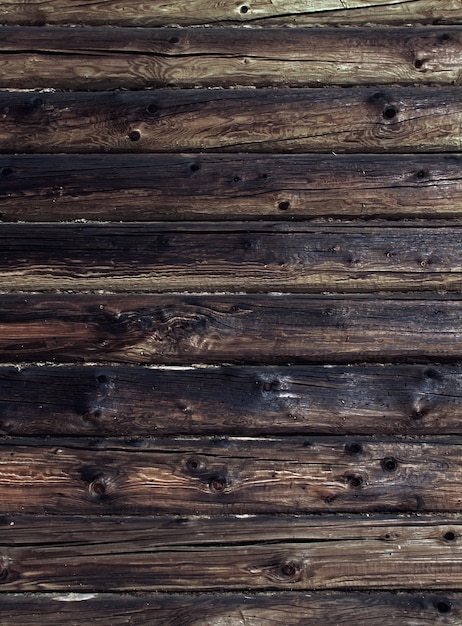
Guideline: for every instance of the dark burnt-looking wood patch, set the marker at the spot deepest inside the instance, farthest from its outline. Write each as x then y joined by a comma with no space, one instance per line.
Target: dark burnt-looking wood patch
231,313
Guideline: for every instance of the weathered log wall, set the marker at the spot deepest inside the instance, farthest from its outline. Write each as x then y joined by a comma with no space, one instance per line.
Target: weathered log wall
230,313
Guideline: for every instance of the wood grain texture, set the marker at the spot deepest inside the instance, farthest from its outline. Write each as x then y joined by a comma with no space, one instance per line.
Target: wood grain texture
278,553
226,186
190,476
104,58
261,257
265,12
139,401
268,329
234,120
216,609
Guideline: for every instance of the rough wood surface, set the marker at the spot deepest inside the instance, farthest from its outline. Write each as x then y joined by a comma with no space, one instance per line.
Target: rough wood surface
264,12
267,329
216,609
218,554
139,401
190,476
234,120
256,257
102,58
222,187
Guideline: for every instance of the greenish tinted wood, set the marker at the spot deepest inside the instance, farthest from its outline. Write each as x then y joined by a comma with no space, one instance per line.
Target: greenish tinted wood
134,401
226,186
234,120
105,58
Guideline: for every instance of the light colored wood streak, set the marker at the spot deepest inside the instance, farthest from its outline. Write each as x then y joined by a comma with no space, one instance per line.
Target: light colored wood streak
101,58
234,120
290,475
139,401
216,609
227,186
264,12
262,553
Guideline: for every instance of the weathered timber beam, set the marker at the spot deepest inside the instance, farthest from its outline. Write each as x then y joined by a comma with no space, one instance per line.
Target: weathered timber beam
264,12
226,186
276,553
139,401
254,257
234,120
105,58
272,329
228,476
216,609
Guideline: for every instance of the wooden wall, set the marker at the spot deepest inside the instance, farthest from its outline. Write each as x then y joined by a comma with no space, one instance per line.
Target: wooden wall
231,313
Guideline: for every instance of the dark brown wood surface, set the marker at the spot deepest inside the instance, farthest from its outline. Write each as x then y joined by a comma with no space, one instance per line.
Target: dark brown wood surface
228,186
216,609
190,476
139,401
256,257
102,58
271,329
265,13
224,554
234,120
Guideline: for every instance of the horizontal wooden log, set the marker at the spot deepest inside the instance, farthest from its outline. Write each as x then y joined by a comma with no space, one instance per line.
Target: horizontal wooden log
232,329
228,554
234,120
233,257
139,401
218,186
207,609
265,12
228,476
105,58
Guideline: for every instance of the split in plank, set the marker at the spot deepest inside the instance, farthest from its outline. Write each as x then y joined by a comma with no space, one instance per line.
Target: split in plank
226,186
139,401
228,476
105,58
216,609
279,553
271,329
413,119
264,12
255,257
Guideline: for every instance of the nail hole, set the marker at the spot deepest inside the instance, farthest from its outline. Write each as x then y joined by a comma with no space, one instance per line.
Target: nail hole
102,379
288,570
97,413
193,464
390,464
134,135
217,484
174,40
443,606
98,487
418,63
4,573
390,112
194,167
353,448
152,108
244,9
236,179
417,415
7,171
445,37
354,481
450,535
267,387
422,174
283,206
265,176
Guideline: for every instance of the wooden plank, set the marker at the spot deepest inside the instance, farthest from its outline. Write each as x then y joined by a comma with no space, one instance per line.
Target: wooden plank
105,58
226,186
228,554
139,401
207,609
233,257
271,329
184,476
265,12
234,120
